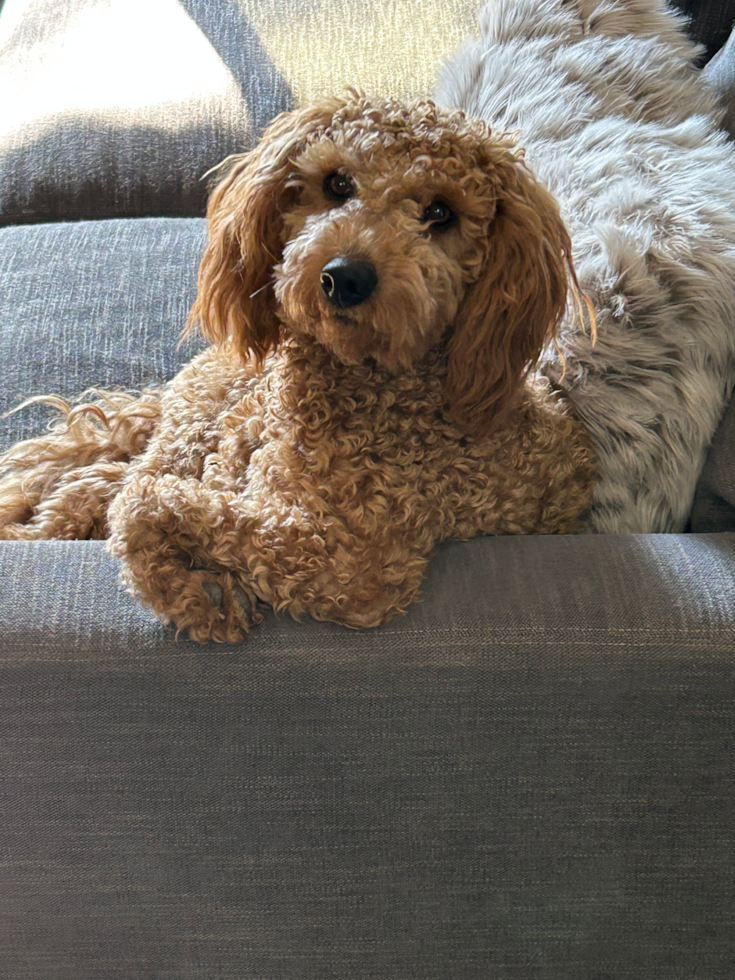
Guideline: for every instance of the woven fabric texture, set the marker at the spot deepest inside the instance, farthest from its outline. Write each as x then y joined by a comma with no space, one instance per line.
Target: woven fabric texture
92,304
530,775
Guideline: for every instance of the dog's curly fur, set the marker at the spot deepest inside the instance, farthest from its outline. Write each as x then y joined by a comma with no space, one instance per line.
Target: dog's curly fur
313,456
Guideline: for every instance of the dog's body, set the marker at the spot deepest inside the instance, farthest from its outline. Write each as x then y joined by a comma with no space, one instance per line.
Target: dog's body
317,487
379,282
365,395
617,122
323,489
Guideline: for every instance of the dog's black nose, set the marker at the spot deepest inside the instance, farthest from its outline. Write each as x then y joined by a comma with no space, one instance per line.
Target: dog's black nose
348,282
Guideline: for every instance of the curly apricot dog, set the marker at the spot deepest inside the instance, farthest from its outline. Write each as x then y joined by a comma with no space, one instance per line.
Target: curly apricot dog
378,282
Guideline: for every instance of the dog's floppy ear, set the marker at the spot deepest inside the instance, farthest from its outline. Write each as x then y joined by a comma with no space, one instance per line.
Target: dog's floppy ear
515,306
235,304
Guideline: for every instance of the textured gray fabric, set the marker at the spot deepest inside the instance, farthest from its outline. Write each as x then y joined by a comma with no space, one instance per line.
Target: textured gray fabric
121,106
529,776
118,107
664,593
92,304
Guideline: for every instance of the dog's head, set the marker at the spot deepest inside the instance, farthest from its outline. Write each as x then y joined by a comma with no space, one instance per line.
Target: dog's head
382,229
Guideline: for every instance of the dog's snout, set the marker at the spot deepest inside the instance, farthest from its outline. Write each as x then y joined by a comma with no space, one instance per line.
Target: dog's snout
348,282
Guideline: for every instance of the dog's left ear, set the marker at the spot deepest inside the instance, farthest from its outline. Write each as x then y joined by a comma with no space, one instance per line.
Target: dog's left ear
514,308
235,304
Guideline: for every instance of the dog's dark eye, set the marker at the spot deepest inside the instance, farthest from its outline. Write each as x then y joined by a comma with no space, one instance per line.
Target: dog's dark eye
439,215
339,186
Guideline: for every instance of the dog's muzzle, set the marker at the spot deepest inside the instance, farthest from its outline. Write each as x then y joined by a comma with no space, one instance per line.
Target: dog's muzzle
348,282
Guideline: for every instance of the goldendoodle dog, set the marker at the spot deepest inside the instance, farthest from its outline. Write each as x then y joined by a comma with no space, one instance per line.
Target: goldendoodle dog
378,282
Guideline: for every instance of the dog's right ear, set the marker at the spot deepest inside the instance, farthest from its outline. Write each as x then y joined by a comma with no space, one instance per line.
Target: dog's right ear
235,304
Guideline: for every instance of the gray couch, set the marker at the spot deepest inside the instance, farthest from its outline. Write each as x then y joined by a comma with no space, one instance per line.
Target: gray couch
531,775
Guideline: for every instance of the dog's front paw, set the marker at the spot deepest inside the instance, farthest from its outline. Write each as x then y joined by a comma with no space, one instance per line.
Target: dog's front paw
227,613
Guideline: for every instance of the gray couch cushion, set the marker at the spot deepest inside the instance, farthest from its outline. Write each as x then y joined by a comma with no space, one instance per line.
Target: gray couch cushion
530,775
119,107
99,303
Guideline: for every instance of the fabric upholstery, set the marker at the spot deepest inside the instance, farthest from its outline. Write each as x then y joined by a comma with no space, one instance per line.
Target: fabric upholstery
99,303
530,775
119,107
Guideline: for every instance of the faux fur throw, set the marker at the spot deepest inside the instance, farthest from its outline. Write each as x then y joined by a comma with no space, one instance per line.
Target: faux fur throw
618,123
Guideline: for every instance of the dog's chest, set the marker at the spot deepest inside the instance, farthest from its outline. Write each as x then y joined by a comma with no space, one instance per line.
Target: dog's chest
351,443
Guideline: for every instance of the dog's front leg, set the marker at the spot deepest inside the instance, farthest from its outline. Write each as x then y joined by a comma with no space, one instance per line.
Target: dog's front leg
174,537
306,562
201,558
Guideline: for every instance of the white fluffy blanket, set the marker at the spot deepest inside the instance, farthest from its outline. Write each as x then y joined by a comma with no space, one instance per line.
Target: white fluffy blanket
618,123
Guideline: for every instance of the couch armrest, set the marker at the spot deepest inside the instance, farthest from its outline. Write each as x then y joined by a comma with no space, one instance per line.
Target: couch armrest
531,774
